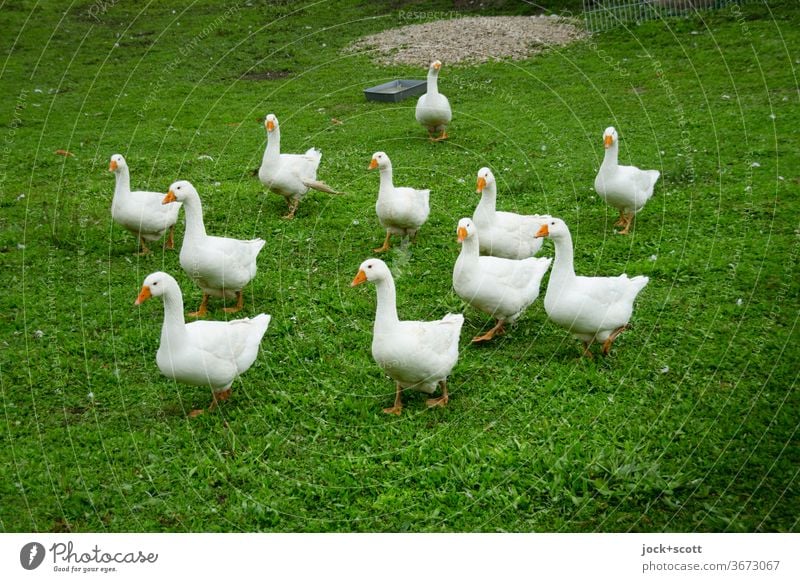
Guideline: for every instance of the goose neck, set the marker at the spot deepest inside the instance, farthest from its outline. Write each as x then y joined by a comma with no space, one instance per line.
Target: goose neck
488,203
123,182
173,332
386,310
272,153
433,82
386,179
563,266
612,155
470,251
193,209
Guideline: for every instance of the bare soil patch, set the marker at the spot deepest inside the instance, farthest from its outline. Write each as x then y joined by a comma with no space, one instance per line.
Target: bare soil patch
470,40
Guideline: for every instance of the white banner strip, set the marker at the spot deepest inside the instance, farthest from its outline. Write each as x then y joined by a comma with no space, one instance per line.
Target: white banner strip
401,557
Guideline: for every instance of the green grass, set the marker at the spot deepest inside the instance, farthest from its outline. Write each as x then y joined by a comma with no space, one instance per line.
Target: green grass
690,424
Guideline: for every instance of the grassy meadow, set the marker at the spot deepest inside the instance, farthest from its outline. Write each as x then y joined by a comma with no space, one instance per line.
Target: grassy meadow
691,423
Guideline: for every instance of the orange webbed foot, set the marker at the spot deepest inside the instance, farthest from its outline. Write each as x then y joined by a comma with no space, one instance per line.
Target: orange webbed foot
437,402
385,246
203,310
627,221
498,329
607,344
145,250
239,304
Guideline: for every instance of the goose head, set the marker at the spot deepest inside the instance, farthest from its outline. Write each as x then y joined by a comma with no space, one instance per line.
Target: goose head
270,122
179,192
434,67
485,177
379,160
466,229
155,285
371,270
610,137
117,163
554,228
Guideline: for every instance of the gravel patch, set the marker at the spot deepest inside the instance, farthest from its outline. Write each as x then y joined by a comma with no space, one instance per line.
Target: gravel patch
470,40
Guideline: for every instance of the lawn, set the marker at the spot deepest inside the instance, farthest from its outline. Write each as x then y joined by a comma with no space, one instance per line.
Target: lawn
691,423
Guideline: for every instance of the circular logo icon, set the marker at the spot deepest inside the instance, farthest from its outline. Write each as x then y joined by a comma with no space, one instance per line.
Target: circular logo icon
31,555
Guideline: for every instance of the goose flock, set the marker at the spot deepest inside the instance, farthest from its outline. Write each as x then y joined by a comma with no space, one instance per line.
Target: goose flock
496,271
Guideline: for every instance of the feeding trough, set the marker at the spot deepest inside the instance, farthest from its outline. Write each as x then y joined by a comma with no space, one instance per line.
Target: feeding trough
396,90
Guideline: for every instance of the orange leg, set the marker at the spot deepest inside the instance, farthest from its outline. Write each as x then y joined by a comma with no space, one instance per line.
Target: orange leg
385,246
145,250
442,400
170,244
628,222
586,351
498,329
239,304
216,398
398,402
442,136
203,311
292,208
621,220
611,338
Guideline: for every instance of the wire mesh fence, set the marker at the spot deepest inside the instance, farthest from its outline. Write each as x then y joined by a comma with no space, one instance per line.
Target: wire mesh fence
603,15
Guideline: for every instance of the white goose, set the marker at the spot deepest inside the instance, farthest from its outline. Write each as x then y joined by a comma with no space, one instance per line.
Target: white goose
289,175
590,308
504,234
140,212
202,353
220,266
415,354
401,210
433,109
503,288
626,188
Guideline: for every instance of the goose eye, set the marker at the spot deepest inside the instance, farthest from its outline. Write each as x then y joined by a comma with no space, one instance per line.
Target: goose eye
369,266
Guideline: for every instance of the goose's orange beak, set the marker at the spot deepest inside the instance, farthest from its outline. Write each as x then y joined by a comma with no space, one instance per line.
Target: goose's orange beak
270,125
360,278
544,231
437,66
607,141
144,295
112,167
462,233
170,197
373,163
481,184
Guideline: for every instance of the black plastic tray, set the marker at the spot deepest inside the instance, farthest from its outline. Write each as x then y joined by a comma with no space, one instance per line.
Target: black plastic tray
396,90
